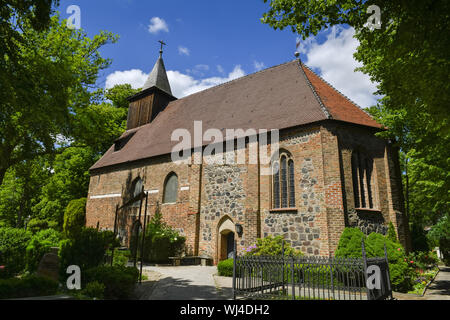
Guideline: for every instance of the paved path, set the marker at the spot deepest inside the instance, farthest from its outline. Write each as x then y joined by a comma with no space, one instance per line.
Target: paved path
185,283
439,289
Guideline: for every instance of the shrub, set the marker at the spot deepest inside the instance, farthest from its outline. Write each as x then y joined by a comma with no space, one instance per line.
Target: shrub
39,245
419,239
74,218
29,286
350,246
161,241
399,269
423,260
35,225
118,281
391,234
225,268
87,250
13,244
121,257
271,246
350,243
93,290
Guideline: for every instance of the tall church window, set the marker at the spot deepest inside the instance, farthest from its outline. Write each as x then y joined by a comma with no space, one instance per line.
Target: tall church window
363,179
171,188
136,189
283,183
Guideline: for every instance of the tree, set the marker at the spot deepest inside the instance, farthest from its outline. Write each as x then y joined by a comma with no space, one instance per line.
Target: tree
44,87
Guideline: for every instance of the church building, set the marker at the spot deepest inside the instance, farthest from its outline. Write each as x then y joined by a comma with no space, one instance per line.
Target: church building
332,171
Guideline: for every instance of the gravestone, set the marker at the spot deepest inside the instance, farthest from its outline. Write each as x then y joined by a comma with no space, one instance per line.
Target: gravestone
49,265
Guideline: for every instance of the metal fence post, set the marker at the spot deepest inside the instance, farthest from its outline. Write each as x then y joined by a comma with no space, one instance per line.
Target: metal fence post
282,265
387,272
369,297
234,269
292,278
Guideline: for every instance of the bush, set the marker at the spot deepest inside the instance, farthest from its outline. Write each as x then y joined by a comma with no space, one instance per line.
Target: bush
118,281
29,286
35,225
13,244
350,243
400,272
87,250
423,260
419,241
391,234
74,218
161,241
121,257
39,245
225,268
271,246
93,290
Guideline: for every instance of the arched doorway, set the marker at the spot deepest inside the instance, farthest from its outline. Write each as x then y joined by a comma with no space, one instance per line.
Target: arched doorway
225,235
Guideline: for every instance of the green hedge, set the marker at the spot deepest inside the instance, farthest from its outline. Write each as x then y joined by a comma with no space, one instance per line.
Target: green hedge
74,218
400,272
13,244
225,268
29,286
87,250
39,245
119,281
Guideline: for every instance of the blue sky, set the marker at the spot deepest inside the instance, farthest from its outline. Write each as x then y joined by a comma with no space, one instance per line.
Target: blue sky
211,42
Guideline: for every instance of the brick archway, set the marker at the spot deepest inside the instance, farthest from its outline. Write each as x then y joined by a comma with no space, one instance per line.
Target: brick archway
225,231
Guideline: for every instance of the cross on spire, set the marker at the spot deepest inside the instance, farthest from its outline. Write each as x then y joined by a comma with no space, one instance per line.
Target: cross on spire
162,44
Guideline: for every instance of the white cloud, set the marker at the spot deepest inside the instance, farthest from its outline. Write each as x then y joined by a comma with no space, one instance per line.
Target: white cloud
180,83
334,58
135,77
199,70
183,85
157,24
220,69
183,50
258,65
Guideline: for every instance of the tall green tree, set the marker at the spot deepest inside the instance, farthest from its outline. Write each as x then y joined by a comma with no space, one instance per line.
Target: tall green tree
45,86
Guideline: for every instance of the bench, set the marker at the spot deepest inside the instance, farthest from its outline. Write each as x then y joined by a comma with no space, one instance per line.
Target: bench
191,261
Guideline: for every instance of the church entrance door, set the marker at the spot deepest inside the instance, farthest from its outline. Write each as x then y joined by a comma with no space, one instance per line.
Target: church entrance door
230,245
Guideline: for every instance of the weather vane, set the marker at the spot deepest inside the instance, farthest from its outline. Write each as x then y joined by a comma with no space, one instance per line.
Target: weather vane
297,54
162,44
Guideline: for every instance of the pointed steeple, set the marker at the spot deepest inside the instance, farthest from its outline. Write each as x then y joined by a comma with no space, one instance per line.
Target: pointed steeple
154,97
158,76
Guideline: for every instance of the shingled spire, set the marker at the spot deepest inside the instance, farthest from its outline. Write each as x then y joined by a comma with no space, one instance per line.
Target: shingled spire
158,76
154,97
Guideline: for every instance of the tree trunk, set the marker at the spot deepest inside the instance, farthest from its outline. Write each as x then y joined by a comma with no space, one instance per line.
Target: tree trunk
2,175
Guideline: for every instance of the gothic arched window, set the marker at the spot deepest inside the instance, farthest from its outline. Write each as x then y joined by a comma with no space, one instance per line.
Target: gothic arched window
363,179
136,190
283,183
170,188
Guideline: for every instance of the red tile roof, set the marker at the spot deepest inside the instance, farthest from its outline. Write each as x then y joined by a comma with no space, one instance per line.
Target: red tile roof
275,98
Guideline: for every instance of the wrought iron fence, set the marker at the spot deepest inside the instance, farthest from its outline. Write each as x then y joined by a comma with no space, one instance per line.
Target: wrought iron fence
308,278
